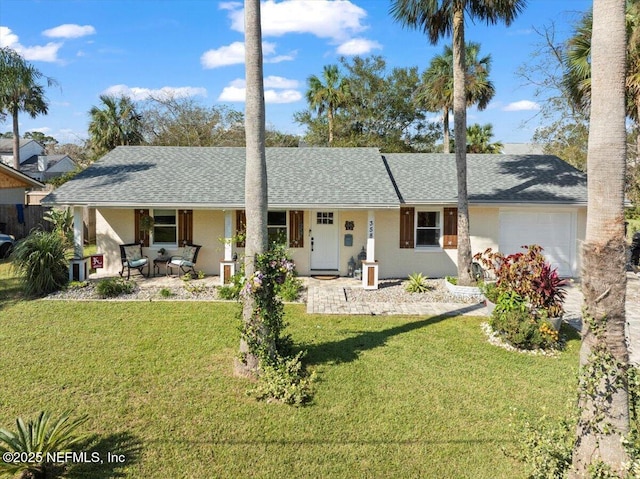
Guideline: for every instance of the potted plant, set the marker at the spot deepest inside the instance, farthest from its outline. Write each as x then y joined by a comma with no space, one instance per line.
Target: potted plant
146,223
162,252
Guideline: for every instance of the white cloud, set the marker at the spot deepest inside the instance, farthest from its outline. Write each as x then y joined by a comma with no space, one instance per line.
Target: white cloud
233,54
226,55
69,30
43,53
277,90
284,96
280,82
139,94
358,46
522,105
337,20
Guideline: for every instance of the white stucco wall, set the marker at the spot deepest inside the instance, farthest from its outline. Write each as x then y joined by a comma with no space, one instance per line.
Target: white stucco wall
115,226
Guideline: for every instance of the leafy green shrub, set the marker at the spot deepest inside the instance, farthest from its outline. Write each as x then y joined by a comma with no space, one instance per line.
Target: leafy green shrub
530,276
35,439
290,289
285,380
112,287
194,288
490,291
417,283
40,262
230,291
451,279
166,293
545,446
62,222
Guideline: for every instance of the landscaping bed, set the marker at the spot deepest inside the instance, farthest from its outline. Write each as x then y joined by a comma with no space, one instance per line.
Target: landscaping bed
394,290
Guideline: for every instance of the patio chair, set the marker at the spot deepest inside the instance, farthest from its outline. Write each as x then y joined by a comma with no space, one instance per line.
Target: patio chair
132,258
185,263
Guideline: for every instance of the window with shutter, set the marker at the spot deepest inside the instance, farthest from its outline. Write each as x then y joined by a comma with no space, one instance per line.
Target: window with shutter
140,235
450,228
296,229
241,227
406,227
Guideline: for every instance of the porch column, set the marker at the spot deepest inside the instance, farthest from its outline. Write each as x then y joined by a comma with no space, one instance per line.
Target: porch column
370,265
78,232
78,265
227,265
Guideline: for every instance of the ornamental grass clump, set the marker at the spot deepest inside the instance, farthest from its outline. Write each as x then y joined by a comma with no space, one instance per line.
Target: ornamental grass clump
40,262
529,294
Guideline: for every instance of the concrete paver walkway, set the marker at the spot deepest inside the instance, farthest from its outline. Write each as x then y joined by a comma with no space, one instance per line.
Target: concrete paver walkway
328,297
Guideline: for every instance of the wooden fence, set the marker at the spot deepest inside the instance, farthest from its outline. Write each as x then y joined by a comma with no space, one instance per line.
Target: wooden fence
20,223
19,220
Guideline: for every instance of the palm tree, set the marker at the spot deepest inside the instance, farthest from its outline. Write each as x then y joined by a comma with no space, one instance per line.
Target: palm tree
255,175
436,90
577,79
603,400
479,139
328,96
117,123
20,92
438,18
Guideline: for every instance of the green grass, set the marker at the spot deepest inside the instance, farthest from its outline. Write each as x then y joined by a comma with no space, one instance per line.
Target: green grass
396,396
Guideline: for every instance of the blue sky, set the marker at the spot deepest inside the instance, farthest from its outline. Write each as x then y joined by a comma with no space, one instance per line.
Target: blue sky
195,48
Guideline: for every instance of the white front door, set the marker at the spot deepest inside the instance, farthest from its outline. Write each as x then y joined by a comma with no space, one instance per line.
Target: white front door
324,240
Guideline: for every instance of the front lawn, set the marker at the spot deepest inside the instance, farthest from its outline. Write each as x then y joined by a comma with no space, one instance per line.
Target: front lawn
396,396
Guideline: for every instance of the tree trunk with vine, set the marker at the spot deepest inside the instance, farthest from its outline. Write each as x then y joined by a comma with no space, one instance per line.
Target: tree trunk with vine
255,180
603,394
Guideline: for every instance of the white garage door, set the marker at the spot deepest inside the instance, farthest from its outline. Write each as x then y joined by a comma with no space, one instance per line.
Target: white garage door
555,232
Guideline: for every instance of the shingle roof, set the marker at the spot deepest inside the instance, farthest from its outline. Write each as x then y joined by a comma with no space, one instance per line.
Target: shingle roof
214,177
431,178
308,177
31,164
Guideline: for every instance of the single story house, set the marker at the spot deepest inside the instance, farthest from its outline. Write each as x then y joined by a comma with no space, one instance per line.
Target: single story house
330,204
34,162
14,186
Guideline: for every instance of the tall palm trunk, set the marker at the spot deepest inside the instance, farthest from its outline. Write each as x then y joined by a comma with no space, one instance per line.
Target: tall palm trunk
330,120
255,173
460,134
445,131
16,140
604,411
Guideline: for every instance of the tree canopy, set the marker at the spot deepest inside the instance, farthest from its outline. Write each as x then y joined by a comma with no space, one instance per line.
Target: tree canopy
377,109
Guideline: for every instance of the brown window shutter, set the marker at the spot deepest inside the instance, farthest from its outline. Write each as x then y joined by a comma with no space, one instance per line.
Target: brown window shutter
185,227
450,240
296,229
140,236
407,232
241,226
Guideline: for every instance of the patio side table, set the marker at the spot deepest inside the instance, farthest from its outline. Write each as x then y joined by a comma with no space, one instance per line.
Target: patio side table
160,260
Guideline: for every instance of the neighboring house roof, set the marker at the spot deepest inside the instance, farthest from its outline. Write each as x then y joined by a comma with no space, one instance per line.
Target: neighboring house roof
10,178
214,177
197,177
30,166
6,145
431,178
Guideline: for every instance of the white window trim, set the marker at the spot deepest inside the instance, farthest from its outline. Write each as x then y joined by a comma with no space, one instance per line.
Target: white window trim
433,248
285,226
153,243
